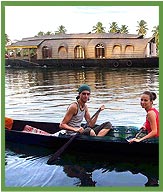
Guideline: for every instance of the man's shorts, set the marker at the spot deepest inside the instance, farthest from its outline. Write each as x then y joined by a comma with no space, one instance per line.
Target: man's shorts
98,128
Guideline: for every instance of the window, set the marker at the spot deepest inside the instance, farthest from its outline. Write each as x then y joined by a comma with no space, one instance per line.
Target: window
62,52
129,49
117,49
99,51
79,52
46,52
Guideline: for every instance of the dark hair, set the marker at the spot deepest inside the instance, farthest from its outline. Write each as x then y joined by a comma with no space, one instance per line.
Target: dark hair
152,95
77,97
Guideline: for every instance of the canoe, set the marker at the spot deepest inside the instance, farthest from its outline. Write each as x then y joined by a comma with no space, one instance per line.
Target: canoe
115,142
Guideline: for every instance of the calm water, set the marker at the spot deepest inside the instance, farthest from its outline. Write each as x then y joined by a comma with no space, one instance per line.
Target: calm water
44,95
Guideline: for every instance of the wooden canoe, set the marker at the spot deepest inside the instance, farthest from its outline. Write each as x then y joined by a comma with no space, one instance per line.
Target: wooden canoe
114,143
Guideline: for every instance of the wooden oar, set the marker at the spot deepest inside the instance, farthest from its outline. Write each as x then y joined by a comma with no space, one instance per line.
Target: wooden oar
137,135
55,156
140,131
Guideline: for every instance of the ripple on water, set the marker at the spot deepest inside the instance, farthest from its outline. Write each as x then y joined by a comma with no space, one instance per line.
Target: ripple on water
44,95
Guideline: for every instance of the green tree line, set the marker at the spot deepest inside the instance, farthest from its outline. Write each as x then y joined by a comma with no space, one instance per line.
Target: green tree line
142,29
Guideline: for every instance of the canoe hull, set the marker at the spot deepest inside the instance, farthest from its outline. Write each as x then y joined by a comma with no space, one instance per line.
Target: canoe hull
107,145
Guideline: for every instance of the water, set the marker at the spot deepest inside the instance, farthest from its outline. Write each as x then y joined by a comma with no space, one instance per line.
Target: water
45,94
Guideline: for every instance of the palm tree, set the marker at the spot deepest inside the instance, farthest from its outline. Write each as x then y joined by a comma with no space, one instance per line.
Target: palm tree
98,28
114,27
49,33
142,27
41,33
156,35
124,29
61,29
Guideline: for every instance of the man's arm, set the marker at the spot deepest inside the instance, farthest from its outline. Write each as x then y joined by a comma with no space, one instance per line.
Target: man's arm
72,110
88,117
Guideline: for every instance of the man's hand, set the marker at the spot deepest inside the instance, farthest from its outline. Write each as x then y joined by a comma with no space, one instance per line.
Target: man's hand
102,107
80,130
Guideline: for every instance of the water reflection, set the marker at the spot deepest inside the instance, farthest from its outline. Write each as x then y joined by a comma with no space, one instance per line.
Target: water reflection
44,95
98,79
85,177
87,167
80,169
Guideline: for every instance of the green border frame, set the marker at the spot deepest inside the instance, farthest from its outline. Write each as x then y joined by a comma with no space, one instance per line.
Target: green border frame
71,3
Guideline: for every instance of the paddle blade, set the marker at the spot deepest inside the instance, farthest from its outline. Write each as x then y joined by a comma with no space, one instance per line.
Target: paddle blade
55,156
61,150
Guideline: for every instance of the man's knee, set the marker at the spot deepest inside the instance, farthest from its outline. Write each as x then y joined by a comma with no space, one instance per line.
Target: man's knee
107,125
87,131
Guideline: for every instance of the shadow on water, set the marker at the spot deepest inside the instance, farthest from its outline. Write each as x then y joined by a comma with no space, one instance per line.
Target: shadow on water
86,167
82,165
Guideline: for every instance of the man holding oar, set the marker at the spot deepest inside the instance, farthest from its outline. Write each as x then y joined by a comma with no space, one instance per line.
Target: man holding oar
74,117
79,110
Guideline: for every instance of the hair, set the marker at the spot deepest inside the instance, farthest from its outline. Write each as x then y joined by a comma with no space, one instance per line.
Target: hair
82,88
151,95
77,97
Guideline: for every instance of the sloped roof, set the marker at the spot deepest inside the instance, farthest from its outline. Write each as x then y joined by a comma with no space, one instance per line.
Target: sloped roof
34,42
26,44
85,36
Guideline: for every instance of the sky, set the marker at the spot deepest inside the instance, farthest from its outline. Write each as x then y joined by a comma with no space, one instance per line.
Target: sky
27,21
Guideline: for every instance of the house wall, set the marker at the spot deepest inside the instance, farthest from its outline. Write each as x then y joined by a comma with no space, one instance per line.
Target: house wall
114,48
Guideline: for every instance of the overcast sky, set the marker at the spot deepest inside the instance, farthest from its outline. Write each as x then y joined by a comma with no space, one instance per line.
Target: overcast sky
27,21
